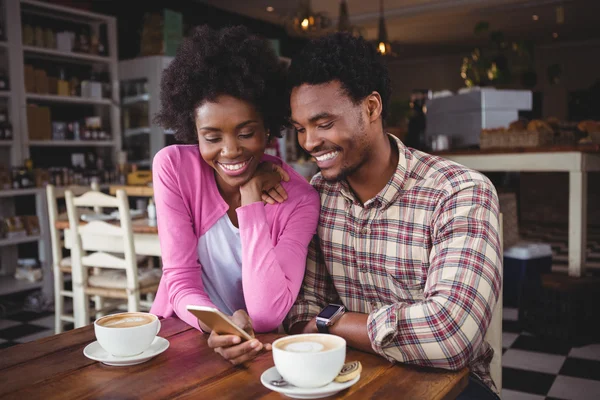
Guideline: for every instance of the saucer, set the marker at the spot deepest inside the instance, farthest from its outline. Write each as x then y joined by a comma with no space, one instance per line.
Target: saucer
303,393
95,352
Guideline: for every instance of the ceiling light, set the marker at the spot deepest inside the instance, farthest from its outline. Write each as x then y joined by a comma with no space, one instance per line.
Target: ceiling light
384,47
344,24
270,9
535,17
305,22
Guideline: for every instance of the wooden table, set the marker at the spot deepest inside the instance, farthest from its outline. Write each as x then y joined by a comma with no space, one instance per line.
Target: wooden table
132,190
576,160
55,368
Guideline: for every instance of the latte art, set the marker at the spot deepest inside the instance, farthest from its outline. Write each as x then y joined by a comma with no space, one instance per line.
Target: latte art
305,345
125,320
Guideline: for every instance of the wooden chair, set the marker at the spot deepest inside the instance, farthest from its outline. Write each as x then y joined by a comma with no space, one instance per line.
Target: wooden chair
60,265
494,333
117,277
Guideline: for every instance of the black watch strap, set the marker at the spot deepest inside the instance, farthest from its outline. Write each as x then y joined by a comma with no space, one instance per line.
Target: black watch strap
322,326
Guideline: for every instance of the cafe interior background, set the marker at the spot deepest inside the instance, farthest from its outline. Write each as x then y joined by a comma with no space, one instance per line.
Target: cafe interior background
511,88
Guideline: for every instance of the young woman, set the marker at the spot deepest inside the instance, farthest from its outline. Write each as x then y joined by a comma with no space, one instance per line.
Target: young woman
234,224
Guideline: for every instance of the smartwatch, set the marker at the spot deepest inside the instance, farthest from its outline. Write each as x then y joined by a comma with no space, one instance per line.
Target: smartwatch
329,316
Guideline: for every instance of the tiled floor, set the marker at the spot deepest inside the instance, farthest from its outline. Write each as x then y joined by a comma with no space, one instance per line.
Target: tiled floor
533,368
26,326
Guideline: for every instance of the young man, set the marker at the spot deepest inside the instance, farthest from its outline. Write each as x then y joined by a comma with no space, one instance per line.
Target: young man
407,242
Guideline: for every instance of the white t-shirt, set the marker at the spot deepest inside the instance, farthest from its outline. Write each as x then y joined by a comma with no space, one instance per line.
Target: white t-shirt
220,254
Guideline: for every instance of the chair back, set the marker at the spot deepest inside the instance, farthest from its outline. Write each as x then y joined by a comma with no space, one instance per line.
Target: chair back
97,230
54,193
494,332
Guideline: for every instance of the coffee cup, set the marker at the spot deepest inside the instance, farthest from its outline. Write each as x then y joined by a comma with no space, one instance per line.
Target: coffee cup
126,334
310,360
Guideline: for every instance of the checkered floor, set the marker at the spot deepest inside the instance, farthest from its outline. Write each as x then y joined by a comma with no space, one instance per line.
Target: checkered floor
535,369
25,327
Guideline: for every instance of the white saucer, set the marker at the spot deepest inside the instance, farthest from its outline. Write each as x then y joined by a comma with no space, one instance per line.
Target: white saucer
300,393
95,352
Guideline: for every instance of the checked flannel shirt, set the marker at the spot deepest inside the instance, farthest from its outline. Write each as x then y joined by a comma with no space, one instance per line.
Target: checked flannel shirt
422,258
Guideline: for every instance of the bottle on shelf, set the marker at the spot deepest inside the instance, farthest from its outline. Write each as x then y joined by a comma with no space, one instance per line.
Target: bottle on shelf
74,86
62,84
28,35
49,38
5,126
94,44
4,84
38,36
151,210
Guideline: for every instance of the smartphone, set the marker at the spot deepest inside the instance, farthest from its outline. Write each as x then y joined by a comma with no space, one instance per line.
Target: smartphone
217,321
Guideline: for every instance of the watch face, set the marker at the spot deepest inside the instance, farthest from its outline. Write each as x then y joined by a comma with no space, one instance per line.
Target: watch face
328,311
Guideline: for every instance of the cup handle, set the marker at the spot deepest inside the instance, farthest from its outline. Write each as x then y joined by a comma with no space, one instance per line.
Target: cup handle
158,326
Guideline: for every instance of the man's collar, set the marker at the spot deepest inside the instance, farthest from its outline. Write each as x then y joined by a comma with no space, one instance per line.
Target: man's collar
392,189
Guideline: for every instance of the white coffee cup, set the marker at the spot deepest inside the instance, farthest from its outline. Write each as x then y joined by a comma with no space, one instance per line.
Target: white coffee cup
126,334
310,360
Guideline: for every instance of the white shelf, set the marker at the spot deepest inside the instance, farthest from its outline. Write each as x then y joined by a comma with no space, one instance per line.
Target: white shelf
51,98
137,131
61,12
135,99
141,163
26,239
9,285
71,143
19,192
66,54
6,143
5,93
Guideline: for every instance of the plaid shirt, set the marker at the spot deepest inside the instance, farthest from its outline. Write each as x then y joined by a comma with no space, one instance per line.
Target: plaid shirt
422,258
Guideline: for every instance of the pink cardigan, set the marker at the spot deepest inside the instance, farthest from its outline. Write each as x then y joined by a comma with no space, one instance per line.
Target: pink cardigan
274,238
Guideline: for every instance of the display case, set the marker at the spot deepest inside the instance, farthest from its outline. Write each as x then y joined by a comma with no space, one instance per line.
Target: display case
140,99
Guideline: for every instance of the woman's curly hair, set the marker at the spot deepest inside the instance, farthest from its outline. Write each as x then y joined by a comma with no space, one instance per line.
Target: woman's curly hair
352,61
230,61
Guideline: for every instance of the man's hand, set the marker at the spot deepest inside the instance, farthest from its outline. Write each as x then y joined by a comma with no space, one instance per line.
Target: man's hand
265,185
231,347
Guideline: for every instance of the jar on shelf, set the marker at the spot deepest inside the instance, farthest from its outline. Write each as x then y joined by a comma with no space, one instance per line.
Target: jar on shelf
4,83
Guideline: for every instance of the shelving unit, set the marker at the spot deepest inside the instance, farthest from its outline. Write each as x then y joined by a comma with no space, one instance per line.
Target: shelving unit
17,99
18,192
62,55
24,239
8,247
10,285
142,142
71,143
134,99
51,98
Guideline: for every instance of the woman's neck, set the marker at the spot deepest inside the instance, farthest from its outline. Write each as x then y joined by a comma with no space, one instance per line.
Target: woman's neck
230,194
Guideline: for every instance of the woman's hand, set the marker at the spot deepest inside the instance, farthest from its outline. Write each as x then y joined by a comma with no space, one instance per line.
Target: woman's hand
265,185
231,347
